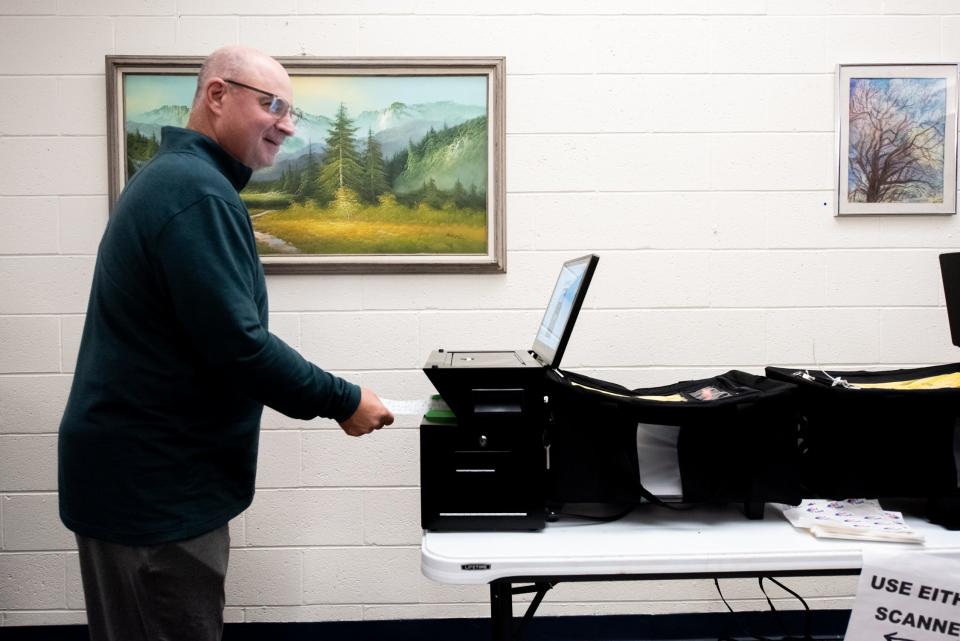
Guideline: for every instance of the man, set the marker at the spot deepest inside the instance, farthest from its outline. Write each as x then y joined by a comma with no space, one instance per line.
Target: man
158,443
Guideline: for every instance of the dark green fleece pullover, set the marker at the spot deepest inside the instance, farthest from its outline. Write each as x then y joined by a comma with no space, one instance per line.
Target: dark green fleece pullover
159,438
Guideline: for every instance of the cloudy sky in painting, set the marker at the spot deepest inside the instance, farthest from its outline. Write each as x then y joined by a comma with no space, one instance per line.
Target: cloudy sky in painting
321,95
148,91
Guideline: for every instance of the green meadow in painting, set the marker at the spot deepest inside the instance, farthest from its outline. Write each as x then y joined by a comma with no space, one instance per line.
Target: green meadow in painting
378,165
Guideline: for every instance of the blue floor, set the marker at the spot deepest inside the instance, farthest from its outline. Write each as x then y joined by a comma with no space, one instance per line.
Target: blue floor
824,624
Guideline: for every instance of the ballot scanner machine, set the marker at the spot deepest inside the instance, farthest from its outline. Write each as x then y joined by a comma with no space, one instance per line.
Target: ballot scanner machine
482,456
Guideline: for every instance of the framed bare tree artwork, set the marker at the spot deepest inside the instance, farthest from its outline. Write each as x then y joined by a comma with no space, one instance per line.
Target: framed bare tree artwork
897,139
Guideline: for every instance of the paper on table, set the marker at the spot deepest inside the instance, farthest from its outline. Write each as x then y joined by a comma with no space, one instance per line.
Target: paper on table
853,519
822,532
406,407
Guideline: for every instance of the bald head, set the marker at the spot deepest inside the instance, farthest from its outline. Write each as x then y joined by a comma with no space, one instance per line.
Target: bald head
233,61
236,87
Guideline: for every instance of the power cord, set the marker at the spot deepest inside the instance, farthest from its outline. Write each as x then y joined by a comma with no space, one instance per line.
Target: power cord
554,514
599,518
807,636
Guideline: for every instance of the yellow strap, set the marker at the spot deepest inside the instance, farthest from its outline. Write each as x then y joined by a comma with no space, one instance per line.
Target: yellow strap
941,381
673,398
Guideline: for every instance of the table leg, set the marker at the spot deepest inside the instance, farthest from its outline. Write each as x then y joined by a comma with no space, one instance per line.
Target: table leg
501,610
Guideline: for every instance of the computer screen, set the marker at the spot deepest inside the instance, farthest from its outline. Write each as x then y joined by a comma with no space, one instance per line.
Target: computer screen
950,268
562,310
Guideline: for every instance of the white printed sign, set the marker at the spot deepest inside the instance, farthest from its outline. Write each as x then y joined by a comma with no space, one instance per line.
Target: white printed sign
906,597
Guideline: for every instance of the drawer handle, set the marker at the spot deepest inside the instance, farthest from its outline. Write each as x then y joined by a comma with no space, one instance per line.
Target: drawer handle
484,513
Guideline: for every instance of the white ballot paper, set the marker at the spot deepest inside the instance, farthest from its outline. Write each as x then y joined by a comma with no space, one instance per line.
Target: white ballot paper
909,596
406,407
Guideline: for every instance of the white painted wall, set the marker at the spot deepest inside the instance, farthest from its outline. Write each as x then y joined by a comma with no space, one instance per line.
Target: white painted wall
689,143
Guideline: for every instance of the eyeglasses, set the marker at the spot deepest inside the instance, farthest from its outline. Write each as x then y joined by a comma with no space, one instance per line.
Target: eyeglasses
277,107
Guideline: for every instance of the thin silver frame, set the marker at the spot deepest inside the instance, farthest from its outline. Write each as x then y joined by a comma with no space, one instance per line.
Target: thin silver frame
950,146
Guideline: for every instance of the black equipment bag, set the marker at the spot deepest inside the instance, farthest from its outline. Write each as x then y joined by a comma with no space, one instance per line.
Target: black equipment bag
735,439
860,440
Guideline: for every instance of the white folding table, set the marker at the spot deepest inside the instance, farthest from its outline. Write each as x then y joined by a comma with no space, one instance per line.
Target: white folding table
650,543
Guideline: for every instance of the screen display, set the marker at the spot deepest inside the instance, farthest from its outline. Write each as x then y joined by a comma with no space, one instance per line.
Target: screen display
562,309
950,269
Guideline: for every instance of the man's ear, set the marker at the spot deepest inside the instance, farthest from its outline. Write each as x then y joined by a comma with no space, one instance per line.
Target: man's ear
214,93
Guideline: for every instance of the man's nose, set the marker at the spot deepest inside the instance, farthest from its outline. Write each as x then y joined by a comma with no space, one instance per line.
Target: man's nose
286,126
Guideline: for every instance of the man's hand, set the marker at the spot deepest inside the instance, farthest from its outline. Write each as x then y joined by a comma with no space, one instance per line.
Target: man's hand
370,415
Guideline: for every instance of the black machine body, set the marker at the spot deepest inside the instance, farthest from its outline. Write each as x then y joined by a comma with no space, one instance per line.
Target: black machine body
483,462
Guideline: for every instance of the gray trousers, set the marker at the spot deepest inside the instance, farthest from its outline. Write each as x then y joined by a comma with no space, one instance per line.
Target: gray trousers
171,591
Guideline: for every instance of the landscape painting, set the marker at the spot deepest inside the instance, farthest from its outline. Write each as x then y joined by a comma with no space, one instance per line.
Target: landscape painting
393,166
898,132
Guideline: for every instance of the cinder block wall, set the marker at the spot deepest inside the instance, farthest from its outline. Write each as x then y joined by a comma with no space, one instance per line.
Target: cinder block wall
689,143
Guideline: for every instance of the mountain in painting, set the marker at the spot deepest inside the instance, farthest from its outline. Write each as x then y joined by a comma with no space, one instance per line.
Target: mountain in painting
448,156
397,125
311,129
444,141
149,123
